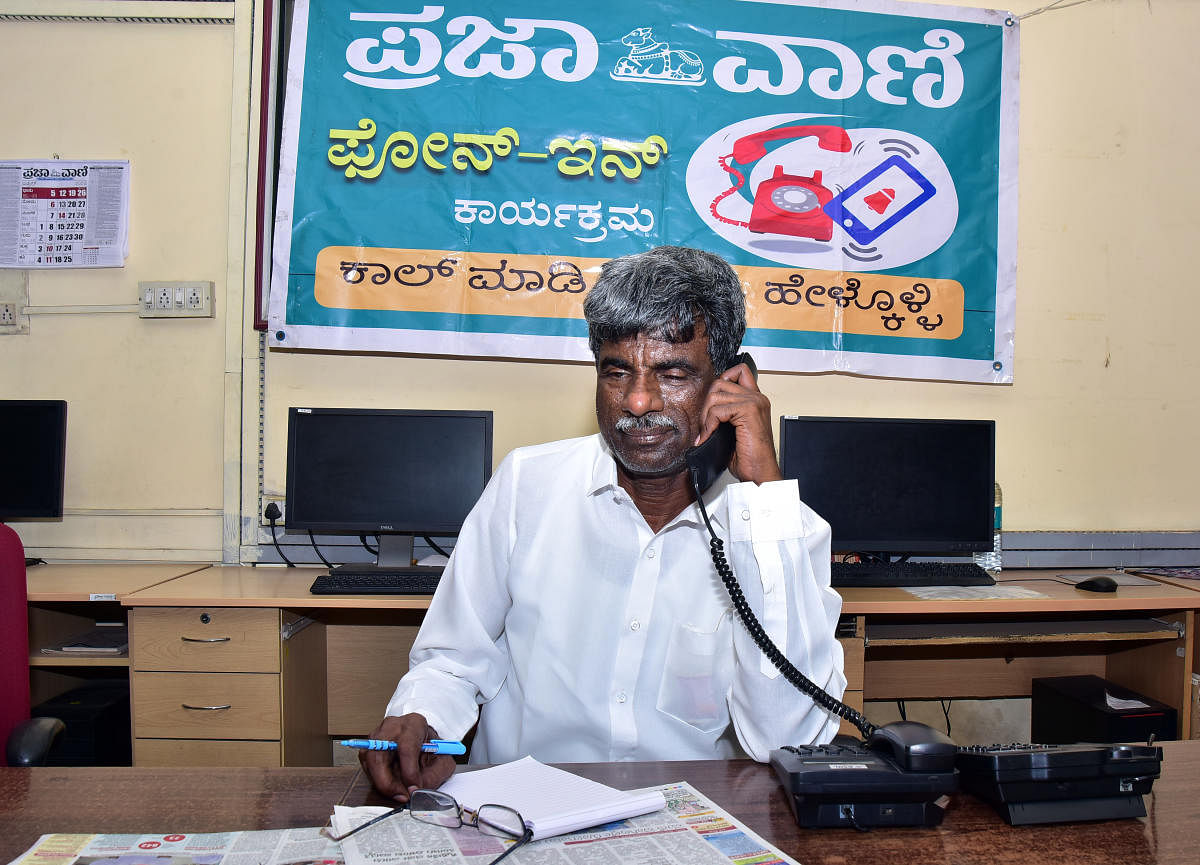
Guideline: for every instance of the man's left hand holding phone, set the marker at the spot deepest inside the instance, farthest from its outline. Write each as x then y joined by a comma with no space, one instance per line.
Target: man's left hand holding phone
397,773
734,398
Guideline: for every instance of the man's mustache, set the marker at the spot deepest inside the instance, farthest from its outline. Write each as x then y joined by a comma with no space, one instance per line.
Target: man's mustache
643,423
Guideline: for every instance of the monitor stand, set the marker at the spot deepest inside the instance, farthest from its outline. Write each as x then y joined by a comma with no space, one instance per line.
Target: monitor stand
395,557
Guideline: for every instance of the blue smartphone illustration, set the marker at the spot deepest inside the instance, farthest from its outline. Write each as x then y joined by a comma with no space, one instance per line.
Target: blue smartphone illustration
874,203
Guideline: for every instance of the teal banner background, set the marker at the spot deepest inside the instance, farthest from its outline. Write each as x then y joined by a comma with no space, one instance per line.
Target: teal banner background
938,83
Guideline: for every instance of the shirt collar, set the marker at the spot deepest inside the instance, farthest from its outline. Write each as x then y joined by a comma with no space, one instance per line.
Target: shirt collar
604,479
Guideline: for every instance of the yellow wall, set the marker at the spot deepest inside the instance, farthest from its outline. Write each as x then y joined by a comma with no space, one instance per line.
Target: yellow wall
145,415
1097,433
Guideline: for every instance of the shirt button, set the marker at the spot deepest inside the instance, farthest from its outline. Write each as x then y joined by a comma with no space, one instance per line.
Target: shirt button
650,553
746,514
635,625
622,696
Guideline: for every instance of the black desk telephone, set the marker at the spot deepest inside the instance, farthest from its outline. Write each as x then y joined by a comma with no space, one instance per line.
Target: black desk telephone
901,773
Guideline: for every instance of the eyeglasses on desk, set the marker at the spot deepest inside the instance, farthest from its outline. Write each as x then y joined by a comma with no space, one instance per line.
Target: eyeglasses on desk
442,809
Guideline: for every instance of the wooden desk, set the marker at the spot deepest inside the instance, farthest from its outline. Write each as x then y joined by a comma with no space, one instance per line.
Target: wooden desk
342,685
68,599
42,801
347,677
1142,637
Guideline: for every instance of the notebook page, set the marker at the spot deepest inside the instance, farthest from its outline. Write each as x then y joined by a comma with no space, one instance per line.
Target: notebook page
552,801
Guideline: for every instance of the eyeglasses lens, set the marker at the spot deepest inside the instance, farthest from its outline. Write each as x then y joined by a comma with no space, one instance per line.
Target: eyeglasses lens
501,821
440,809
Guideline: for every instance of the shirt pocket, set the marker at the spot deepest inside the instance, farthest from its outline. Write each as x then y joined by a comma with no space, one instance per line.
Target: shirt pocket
696,676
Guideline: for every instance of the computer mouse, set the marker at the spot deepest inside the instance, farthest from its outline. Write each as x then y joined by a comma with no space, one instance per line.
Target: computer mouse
1099,583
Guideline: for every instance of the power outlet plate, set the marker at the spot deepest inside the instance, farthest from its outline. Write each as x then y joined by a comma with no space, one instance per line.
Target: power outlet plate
263,501
175,300
14,298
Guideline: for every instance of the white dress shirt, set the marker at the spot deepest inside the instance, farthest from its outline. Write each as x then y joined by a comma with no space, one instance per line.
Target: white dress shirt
576,634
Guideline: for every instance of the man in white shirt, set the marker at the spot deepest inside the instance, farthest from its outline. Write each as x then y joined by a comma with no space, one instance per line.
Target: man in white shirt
580,617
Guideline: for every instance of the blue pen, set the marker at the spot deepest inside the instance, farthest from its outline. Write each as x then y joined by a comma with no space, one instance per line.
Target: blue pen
433,746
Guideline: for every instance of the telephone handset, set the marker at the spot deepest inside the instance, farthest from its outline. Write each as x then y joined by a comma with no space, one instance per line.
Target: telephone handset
711,457
753,147
911,746
784,203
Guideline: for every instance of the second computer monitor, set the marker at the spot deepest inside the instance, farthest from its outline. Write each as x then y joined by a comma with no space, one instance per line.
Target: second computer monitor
394,473
33,438
896,485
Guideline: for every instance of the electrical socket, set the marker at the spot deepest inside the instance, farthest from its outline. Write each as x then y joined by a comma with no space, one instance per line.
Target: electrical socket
263,501
175,300
14,298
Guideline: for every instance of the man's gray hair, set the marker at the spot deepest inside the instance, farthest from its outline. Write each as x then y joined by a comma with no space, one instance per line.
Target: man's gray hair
664,293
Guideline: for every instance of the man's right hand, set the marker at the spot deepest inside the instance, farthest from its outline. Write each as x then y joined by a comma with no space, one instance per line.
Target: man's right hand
397,773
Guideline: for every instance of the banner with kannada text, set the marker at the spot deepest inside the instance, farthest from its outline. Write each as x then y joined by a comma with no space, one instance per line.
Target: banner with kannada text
453,176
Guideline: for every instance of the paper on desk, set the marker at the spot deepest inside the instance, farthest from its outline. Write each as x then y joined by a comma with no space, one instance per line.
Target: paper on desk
1118,703
304,846
691,830
552,801
971,593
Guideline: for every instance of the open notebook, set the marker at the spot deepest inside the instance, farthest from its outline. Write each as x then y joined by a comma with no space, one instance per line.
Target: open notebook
552,801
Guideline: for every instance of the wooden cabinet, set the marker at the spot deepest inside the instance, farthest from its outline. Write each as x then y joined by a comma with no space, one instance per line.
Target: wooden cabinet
852,636
66,600
227,686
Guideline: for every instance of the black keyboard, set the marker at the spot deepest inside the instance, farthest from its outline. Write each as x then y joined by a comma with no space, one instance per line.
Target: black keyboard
872,574
368,580
1031,784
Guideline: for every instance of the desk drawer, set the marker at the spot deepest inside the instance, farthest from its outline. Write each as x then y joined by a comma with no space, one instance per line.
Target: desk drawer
205,639
225,705
205,752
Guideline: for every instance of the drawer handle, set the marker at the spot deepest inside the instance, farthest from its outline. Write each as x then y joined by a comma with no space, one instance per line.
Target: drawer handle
206,708
206,639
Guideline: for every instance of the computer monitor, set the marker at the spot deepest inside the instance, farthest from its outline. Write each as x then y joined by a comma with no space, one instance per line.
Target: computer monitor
33,439
904,486
394,473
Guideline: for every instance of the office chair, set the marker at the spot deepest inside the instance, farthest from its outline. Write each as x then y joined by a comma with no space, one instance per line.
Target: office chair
27,740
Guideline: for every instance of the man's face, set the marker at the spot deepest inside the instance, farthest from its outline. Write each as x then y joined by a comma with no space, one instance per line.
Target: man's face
649,396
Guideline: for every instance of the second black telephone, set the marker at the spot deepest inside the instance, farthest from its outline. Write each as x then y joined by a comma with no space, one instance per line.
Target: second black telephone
908,746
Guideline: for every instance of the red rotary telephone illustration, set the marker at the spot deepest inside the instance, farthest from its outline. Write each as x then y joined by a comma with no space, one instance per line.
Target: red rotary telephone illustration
784,203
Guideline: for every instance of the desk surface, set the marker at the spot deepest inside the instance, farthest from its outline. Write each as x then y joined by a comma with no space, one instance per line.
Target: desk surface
141,584
42,801
240,586
1057,585
83,582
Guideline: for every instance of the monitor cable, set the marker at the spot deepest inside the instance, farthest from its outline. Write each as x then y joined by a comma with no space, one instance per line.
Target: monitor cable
434,546
312,540
757,633
272,513
362,539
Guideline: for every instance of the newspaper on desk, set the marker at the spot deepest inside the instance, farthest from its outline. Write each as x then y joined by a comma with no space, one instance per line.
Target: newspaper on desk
271,847
691,830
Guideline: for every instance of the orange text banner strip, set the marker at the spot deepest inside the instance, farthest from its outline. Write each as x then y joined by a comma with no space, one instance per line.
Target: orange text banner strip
547,286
